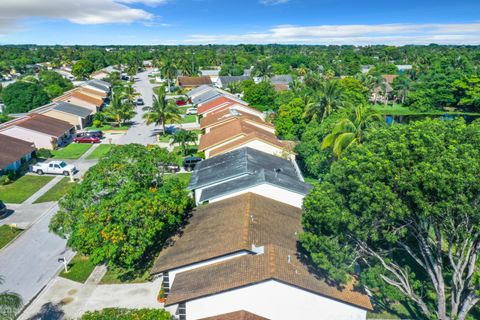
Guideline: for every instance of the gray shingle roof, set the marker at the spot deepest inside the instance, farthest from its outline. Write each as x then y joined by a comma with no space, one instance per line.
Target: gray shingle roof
226,80
281,79
241,169
98,86
197,90
207,96
103,83
73,109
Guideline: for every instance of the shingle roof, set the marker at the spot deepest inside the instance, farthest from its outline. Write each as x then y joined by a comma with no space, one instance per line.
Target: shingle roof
72,109
242,169
206,96
95,84
85,97
99,94
13,149
237,315
229,226
226,80
235,129
221,100
193,81
199,90
45,124
281,79
227,115
102,82
276,263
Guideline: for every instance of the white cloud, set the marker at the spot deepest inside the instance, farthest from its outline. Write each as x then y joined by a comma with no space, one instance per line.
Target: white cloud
76,11
394,34
273,2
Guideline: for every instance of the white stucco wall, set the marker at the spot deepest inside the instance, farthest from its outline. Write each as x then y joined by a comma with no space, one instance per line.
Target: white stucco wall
276,301
40,140
172,273
266,190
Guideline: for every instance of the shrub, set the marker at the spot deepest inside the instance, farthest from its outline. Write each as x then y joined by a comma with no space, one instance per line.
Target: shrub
44,153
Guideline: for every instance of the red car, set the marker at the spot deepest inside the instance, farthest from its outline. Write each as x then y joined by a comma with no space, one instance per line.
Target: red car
181,102
86,139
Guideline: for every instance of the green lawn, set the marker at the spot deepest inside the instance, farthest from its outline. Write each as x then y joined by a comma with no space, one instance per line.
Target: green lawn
72,151
57,191
189,119
23,188
183,109
108,127
118,276
164,138
79,269
184,177
7,234
398,311
100,151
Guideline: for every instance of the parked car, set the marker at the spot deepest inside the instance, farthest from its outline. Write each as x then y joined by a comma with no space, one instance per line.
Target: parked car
86,139
189,163
171,129
191,111
181,102
169,167
54,167
94,133
3,209
140,102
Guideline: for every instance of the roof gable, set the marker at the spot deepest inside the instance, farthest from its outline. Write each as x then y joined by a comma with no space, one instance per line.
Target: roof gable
44,124
72,109
13,149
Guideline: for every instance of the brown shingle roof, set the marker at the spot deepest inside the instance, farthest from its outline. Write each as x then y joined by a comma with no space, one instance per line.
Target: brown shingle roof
276,263
45,124
229,115
224,101
237,315
92,92
193,81
88,98
13,149
230,226
235,129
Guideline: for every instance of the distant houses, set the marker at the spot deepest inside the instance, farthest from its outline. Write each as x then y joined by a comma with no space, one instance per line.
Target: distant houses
193,82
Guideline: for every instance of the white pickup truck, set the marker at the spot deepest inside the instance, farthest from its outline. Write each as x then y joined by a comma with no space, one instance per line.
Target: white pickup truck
54,167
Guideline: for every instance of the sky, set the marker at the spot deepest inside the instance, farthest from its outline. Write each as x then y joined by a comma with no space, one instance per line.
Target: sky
184,22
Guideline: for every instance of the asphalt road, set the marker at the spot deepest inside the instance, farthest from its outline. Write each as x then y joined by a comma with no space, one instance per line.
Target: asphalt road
30,262
140,132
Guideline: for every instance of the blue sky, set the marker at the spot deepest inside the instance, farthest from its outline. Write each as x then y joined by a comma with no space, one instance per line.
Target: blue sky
250,21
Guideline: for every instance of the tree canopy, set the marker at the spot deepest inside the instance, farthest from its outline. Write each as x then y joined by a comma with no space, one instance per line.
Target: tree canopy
404,207
127,314
23,96
124,208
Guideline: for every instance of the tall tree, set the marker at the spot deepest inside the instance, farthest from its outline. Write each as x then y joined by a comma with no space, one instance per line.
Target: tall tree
263,69
330,96
162,111
350,131
120,110
10,304
184,138
401,85
405,207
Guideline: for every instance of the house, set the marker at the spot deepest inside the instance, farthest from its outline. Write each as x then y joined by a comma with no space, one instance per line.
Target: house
45,132
248,264
404,67
281,82
224,81
215,119
82,97
248,170
198,90
193,82
213,74
14,153
78,116
222,103
97,85
240,133
100,74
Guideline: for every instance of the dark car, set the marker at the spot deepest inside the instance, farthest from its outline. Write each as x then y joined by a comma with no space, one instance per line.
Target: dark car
86,139
140,102
171,129
189,163
94,133
3,209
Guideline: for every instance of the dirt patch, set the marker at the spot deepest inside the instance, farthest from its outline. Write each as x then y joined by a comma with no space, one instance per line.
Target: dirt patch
72,292
66,301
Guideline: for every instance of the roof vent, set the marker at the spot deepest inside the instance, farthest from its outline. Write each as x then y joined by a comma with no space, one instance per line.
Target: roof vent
234,112
251,217
258,250
289,258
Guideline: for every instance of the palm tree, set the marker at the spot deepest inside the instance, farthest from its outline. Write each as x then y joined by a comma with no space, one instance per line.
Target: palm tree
263,70
330,97
10,304
184,138
162,111
350,131
120,110
402,86
170,72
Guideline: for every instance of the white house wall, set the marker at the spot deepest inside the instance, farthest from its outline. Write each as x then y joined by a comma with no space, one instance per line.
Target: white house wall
40,140
268,191
276,301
